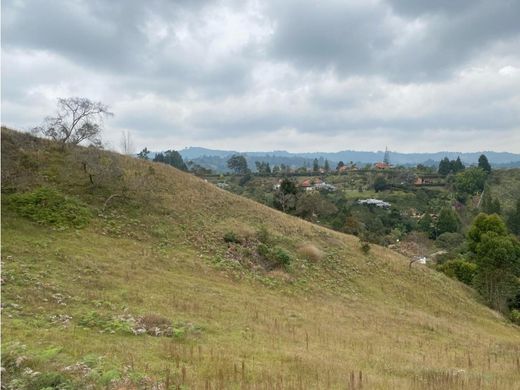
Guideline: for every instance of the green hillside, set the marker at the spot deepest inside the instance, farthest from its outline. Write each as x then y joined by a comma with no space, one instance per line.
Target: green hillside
121,273
505,186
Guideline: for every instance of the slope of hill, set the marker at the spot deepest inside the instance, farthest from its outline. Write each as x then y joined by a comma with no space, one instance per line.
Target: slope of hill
129,274
505,186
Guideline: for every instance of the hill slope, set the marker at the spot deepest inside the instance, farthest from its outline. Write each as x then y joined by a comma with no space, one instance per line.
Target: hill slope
126,280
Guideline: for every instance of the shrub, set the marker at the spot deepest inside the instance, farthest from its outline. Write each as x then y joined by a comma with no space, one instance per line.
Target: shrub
310,252
281,257
263,235
49,380
276,256
515,316
460,269
48,206
365,247
231,237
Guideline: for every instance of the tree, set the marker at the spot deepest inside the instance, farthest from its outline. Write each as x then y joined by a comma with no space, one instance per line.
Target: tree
126,143
312,205
497,255
447,222
444,166
77,120
263,168
380,184
340,165
483,224
483,163
470,181
238,164
285,196
326,167
143,154
171,157
513,220
456,165
315,165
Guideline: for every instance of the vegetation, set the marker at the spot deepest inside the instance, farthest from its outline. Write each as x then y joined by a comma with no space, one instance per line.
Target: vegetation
171,157
148,294
77,120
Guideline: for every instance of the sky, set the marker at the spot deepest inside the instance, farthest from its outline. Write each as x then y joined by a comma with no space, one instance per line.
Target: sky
410,75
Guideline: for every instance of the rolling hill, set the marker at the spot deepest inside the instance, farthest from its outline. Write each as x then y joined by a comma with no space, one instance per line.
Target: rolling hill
122,273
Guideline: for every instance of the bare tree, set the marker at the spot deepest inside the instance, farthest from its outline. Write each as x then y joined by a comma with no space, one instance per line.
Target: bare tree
126,143
77,120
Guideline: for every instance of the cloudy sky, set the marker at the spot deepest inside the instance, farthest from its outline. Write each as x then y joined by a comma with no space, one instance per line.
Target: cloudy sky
413,75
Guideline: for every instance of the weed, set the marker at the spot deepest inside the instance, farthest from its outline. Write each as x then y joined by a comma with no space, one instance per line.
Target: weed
48,206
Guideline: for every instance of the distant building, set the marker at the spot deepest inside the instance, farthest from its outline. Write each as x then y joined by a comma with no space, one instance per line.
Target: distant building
382,165
374,202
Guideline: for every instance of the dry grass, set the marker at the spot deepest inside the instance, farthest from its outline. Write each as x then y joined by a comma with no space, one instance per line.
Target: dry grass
346,321
311,253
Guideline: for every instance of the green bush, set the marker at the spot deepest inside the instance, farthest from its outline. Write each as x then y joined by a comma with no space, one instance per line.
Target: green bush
231,237
365,247
460,269
105,323
277,256
281,257
48,206
49,380
515,316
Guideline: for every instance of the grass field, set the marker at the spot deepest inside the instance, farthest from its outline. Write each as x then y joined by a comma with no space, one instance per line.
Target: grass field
332,318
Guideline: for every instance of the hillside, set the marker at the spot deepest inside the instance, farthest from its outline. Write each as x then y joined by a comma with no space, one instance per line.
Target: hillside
505,186
118,274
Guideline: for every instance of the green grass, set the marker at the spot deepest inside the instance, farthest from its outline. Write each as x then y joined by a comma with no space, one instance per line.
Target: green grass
158,250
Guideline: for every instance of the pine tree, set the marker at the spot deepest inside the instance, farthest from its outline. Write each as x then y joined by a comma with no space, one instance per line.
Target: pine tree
483,163
444,166
327,166
315,165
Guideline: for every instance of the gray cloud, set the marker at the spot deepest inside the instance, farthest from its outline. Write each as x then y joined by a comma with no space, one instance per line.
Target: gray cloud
205,73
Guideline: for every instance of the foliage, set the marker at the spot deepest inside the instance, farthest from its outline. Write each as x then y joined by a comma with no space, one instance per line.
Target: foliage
380,183
497,255
285,197
450,241
238,164
77,120
105,323
490,205
48,206
513,219
470,181
454,166
143,154
460,269
263,168
171,157
483,163
515,316
275,255
364,246
447,222
483,224
312,205
231,237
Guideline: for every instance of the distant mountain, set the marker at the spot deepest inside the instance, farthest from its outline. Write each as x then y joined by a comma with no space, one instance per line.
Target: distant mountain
216,159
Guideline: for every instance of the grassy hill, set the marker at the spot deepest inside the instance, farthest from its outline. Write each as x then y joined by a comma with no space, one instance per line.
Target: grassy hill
116,273
505,186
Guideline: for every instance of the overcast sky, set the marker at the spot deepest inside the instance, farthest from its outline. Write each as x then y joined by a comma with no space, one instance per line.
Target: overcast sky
413,75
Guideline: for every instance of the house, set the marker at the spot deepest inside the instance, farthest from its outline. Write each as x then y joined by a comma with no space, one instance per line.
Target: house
419,181
374,202
316,184
382,165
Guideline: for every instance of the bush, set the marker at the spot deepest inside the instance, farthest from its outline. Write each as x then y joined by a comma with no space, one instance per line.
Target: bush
365,247
310,252
460,269
276,256
263,235
49,380
48,206
231,237
515,316
281,257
